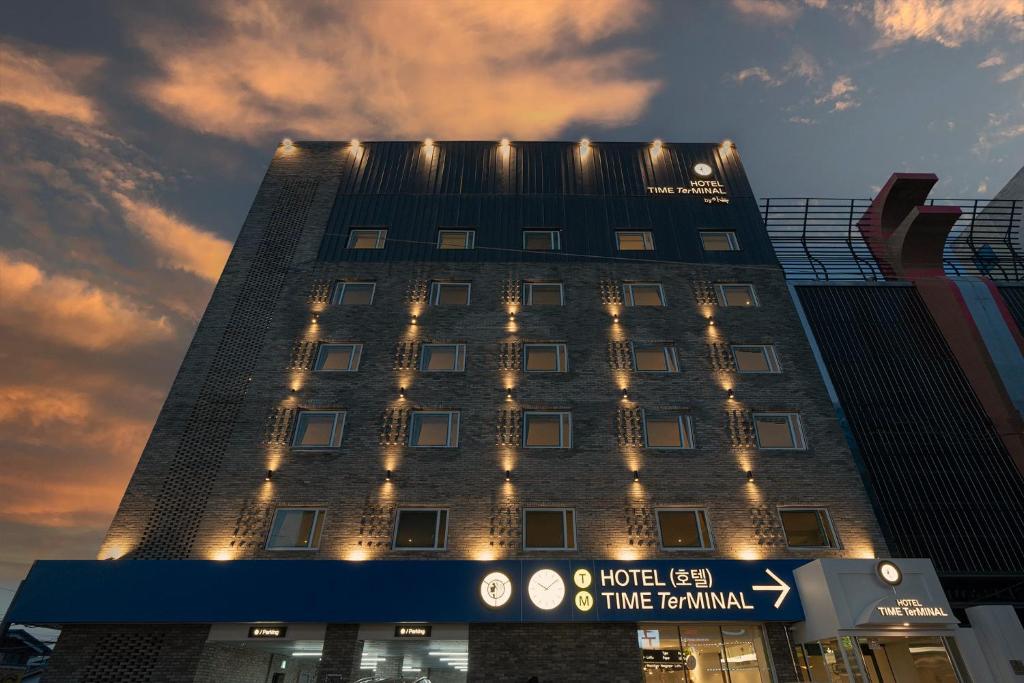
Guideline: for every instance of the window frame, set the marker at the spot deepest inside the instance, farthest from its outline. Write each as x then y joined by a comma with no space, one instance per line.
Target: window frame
671,359
724,303
354,359
449,441
435,291
564,438
470,239
337,433
380,240
629,298
730,235
316,530
824,517
565,529
767,350
796,431
555,241
703,529
437,529
341,285
460,356
685,421
561,357
528,292
647,236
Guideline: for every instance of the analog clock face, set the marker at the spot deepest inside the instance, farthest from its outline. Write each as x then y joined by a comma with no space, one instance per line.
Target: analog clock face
546,589
495,589
702,170
889,573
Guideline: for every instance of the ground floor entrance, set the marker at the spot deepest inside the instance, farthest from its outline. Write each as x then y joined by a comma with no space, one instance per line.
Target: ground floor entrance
704,653
881,659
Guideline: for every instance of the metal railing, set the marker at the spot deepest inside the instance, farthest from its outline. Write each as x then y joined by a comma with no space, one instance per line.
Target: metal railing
818,238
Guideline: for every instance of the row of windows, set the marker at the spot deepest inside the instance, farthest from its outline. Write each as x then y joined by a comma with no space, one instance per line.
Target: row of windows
323,429
536,239
457,293
657,357
550,529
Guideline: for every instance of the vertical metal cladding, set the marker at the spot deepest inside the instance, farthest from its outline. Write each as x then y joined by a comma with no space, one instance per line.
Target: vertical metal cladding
413,190
1013,295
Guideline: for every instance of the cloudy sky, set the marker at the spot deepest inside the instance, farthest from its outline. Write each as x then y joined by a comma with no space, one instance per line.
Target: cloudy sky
132,141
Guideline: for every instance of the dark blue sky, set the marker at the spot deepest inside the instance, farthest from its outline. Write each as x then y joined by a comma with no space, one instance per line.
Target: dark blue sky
133,137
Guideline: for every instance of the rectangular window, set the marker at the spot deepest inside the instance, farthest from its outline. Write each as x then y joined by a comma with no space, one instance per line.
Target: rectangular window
808,528
545,357
319,429
456,239
542,293
634,240
542,240
684,529
443,358
367,239
655,357
547,429
354,293
779,431
434,430
756,359
549,529
643,294
295,529
668,431
421,530
719,240
338,357
741,296
449,293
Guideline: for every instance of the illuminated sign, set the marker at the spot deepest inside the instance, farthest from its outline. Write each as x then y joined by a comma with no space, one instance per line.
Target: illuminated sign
889,573
412,630
267,631
910,607
546,589
495,589
666,656
702,170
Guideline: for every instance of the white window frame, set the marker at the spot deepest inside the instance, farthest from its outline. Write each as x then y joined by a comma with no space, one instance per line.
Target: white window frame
629,299
565,529
671,357
318,520
452,439
824,516
703,525
564,438
796,432
379,241
555,238
528,292
337,430
767,351
435,291
685,428
460,356
469,242
437,529
353,361
730,236
646,235
561,357
722,301
339,292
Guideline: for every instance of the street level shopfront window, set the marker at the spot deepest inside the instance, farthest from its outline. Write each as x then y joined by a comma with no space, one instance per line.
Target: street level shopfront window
703,653
880,659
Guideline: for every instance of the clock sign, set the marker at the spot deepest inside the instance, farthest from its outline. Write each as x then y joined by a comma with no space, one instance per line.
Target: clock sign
702,170
495,589
582,578
546,589
889,572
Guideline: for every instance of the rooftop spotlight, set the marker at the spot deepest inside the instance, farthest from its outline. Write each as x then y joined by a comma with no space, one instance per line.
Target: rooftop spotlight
584,145
428,143
287,143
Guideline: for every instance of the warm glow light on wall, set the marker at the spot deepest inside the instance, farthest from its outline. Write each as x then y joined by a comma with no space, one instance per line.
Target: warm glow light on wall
287,144
223,555
428,143
584,147
656,148
727,146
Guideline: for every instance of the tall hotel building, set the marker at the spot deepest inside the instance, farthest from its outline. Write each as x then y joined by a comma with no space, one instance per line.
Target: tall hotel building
476,411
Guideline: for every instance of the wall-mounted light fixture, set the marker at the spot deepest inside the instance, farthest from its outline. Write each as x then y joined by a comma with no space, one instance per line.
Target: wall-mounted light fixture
656,147
387,475
508,393
270,474
625,393
615,318
511,316
413,320
730,393
505,144
711,321
287,143
584,146
428,143
508,475
316,318
727,145
636,476
401,392
354,144
750,476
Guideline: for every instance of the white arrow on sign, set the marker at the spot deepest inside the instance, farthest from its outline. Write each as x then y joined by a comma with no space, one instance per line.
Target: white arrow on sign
782,587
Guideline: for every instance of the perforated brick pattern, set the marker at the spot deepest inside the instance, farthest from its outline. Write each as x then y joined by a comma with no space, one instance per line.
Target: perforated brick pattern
511,292
611,292
741,428
376,525
620,356
417,291
406,355
704,293
641,526
510,355
629,427
509,427
506,523
172,526
394,426
320,292
767,527
302,356
721,358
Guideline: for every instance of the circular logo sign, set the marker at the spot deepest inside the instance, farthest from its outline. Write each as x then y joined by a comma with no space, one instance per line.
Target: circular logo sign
702,170
889,572
546,589
495,589
582,578
584,601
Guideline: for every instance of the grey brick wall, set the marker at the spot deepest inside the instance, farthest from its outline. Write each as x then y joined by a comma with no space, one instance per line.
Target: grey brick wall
341,653
127,654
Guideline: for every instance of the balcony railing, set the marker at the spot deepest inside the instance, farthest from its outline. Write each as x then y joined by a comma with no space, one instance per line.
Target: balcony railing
818,238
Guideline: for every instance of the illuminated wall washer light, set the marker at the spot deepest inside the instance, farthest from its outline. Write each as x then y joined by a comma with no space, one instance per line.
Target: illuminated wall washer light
387,475
615,318
584,146
413,320
750,476
508,475
508,393
731,394
625,392
287,143
636,476
656,147
401,392
505,143
711,321
428,143
354,143
270,474
511,317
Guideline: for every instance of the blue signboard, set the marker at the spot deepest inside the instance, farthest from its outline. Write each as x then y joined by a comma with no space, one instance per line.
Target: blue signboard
197,591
